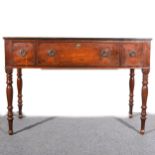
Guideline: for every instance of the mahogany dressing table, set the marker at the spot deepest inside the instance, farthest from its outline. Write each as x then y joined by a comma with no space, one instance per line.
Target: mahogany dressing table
103,53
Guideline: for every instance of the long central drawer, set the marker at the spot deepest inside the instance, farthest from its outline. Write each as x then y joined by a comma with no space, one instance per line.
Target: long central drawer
77,54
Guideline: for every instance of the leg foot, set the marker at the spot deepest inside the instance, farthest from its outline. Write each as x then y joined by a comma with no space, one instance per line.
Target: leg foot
10,132
20,116
130,115
142,132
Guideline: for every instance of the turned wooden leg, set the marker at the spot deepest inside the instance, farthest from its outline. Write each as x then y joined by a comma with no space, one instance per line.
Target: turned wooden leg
131,86
9,92
144,98
19,86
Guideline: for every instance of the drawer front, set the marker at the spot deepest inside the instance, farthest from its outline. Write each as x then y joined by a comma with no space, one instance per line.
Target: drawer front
132,54
65,54
23,53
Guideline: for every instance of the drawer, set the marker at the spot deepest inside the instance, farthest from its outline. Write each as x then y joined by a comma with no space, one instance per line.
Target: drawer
76,54
23,53
132,54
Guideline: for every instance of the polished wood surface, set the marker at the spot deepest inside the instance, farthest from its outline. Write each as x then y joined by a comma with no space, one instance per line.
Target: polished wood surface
98,53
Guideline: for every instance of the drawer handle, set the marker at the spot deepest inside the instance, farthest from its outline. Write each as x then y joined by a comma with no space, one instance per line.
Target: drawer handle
132,53
104,53
51,53
22,52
